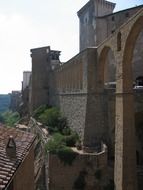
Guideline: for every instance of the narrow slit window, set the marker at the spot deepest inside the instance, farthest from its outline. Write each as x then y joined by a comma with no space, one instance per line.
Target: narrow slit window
119,36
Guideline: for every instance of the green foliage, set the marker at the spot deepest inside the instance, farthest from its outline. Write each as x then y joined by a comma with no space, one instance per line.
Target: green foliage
66,131
80,182
10,118
39,111
52,118
57,145
59,140
62,136
66,155
71,139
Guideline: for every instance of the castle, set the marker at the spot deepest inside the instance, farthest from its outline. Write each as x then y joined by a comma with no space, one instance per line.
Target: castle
100,89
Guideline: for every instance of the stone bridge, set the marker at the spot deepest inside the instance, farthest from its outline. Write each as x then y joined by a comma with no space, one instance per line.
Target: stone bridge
122,44
78,86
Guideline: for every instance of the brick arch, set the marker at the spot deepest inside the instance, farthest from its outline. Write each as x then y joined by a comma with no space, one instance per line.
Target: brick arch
102,64
128,54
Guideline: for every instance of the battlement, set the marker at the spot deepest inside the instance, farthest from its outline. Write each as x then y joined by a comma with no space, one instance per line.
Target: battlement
101,7
45,49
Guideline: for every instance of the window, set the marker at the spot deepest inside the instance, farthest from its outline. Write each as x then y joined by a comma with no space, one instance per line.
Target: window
112,31
113,18
127,14
119,36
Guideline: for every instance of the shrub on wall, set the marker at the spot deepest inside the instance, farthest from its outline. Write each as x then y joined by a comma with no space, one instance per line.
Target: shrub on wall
71,139
58,139
57,145
66,155
62,136
39,111
51,117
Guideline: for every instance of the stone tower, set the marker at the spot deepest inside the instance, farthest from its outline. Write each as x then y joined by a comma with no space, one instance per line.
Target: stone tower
89,22
43,61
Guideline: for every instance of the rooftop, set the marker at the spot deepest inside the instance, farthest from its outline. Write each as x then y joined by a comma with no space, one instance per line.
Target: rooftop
8,164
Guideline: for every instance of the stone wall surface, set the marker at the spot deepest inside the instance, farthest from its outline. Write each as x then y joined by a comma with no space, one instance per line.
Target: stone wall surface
88,171
114,21
70,93
39,82
74,108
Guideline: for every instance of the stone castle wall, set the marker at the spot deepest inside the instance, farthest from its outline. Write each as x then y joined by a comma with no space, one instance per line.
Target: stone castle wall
72,81
73,86
86,171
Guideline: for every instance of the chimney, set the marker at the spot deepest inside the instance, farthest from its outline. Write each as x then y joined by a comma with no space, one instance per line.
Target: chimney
11,148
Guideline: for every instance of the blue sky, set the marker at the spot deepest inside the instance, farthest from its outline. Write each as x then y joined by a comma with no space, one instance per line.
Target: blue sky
27,24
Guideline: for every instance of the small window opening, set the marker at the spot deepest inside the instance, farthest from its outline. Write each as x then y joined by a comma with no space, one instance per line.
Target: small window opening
127,14
113,18
119,41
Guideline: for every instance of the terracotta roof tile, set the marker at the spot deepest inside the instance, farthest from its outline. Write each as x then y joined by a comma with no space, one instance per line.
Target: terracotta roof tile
9,165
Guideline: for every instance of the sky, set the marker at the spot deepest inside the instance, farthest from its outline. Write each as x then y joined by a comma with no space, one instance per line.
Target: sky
27,24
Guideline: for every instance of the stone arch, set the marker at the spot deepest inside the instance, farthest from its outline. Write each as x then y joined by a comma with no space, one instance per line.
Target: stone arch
107,95
128,54
125,169
106,63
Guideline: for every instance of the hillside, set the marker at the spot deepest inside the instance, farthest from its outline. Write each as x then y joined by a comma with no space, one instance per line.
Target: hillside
4,102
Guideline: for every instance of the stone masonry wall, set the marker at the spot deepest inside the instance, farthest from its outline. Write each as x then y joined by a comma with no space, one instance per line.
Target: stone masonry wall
86,172
72,80
74,108
40,79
